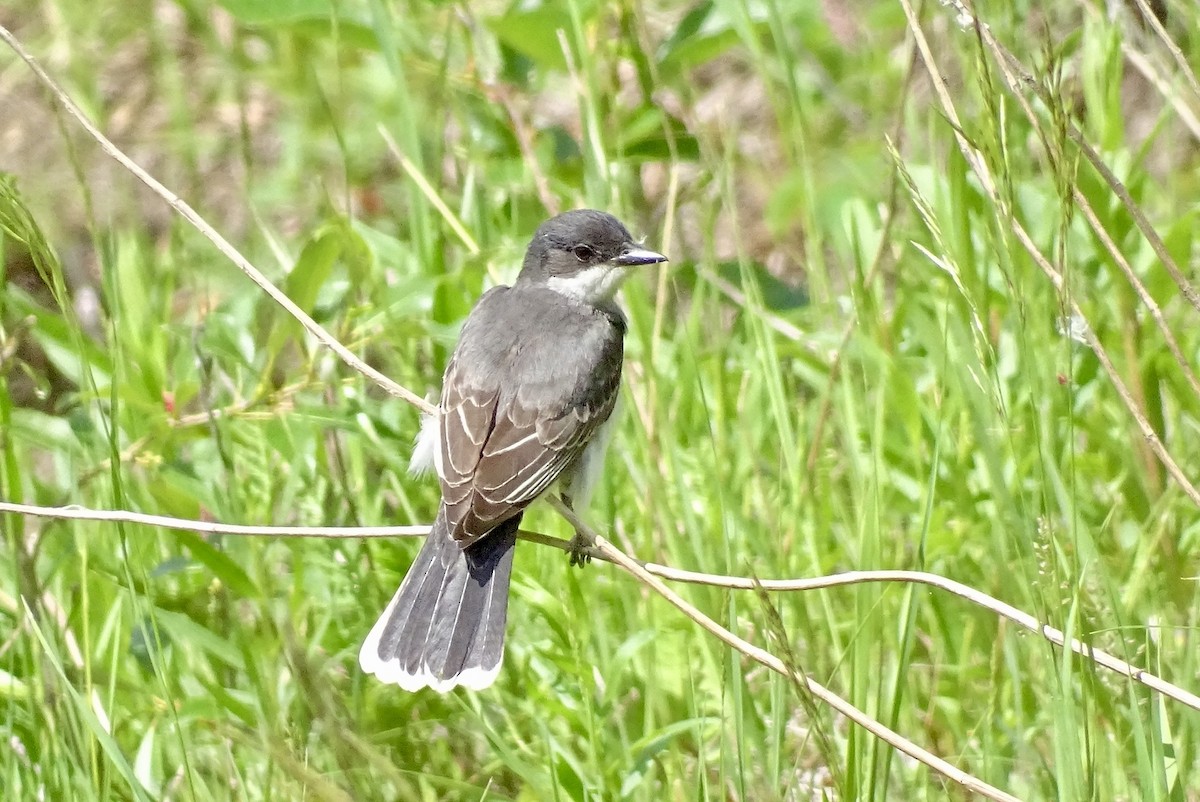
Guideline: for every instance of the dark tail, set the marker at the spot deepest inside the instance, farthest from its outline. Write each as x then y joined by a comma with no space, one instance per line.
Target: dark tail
445,625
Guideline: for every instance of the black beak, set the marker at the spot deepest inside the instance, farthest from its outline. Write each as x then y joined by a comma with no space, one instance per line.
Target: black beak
633,256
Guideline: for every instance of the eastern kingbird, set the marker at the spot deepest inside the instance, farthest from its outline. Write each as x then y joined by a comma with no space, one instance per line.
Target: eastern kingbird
526,402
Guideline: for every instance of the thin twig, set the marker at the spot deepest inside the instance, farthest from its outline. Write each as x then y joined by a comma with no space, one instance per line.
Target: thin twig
1017,616
1003,609
77,513
763,657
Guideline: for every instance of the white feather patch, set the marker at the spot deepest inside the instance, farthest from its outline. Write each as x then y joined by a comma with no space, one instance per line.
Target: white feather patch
593,285
427,448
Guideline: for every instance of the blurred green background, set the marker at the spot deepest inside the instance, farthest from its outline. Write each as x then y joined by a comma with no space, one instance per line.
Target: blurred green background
852,362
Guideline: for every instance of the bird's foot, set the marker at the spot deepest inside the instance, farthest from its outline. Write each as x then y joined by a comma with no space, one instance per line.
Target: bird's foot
580,548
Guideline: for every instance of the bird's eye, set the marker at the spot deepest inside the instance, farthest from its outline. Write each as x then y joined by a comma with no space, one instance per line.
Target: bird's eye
583,252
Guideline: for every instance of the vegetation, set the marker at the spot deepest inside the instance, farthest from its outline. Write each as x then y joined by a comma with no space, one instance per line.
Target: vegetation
896,332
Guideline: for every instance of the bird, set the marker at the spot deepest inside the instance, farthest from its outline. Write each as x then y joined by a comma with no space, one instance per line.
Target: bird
526,405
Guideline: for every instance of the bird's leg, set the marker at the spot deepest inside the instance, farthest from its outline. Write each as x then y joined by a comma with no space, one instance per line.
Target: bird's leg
581,545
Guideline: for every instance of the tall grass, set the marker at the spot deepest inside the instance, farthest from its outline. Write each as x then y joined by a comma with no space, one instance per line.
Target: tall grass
854,361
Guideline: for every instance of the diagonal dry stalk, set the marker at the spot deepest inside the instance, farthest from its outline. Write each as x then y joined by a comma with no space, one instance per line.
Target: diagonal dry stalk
1015,81
223,245
762,656
1177,56
1019,80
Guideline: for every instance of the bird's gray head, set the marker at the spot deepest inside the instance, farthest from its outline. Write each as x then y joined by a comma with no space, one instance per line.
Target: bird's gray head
583,254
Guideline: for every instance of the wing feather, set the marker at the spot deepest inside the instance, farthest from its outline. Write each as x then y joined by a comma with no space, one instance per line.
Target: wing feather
502,447
516,465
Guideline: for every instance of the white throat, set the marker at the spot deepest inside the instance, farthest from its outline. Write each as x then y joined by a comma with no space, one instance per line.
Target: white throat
594,285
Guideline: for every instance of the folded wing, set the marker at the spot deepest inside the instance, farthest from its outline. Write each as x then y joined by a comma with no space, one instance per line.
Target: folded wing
500,451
